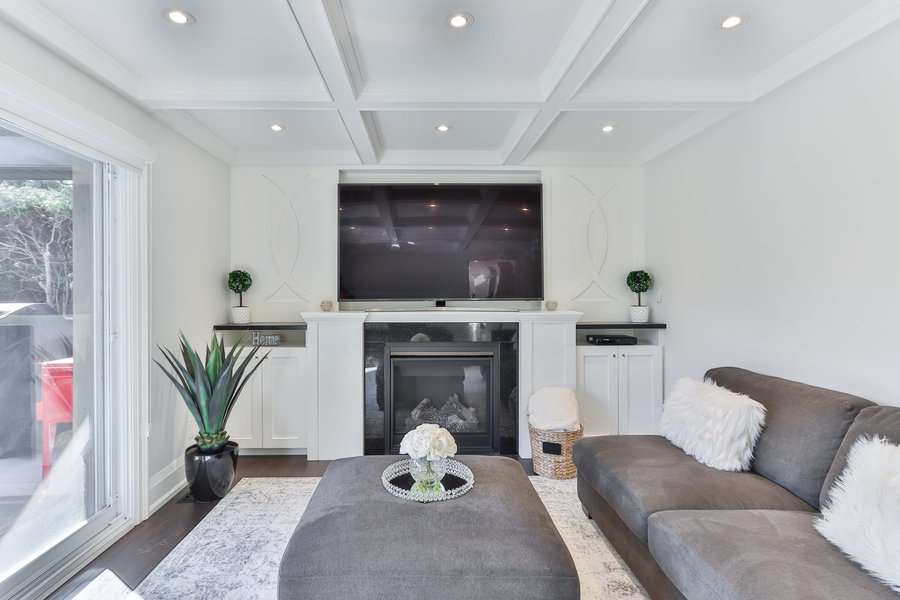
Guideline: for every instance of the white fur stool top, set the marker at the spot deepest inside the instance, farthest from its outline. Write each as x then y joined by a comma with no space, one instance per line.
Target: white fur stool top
553,409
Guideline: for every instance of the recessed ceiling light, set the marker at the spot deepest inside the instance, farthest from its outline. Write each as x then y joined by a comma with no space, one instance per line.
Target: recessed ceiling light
607,129
411,243
460,20
506,229
732,22
525,209
395,244
179,17
442,128
276,127
353,227
430,227
432,205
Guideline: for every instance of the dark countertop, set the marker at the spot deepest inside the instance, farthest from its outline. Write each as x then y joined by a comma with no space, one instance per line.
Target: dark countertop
301,326
604,325
297,326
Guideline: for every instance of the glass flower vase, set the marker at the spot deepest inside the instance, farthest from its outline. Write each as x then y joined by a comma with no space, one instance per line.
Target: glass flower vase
427,474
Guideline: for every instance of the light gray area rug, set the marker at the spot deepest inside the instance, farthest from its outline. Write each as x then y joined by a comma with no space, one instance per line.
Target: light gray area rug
233,554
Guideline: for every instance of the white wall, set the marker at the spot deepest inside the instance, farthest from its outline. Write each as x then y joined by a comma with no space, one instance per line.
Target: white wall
188,236
189,261
284,231
773,237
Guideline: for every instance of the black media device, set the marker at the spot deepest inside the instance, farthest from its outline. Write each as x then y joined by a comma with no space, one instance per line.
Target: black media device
440,242
611,340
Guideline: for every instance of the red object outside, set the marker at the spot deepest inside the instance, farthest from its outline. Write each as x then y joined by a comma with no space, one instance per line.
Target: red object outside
55,406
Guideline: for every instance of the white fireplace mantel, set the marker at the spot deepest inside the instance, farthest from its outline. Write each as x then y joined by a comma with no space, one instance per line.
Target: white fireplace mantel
335,344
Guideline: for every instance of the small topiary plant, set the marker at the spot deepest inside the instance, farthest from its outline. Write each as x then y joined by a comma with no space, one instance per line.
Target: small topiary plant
239,282
639,282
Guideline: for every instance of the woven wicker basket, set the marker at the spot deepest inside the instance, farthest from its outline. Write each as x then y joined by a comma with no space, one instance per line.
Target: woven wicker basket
554,466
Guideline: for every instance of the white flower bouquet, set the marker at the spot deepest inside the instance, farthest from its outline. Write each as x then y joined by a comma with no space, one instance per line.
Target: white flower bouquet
428,446
428,441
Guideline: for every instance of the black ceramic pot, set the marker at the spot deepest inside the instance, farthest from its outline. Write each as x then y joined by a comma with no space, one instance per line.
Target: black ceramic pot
210,475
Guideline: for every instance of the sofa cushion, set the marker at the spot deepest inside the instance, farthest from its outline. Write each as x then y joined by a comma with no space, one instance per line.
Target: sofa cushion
804,428
639,475
874,420
755,554
713,424
862,516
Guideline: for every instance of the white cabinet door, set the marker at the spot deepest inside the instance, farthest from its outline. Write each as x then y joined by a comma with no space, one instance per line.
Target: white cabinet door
640,389
597,389
245,425
283,398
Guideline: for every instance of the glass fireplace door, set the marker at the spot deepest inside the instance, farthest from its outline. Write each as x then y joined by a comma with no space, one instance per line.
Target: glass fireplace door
455,392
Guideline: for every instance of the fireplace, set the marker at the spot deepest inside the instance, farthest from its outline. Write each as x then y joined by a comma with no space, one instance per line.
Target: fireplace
461,376
446,384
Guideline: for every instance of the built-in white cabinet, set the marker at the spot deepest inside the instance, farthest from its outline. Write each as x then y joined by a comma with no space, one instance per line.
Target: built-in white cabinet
619,389
273,410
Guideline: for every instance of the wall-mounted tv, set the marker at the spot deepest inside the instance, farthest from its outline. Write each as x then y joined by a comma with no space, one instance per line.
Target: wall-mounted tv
450,242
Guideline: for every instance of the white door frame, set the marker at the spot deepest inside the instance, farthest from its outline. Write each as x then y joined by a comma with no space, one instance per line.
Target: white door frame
45,114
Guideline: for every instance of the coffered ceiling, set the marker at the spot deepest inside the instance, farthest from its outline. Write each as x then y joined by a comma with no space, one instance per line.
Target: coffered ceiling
369,81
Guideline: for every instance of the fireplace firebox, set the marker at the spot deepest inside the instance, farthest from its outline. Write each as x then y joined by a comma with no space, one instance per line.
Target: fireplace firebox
448,385
461,376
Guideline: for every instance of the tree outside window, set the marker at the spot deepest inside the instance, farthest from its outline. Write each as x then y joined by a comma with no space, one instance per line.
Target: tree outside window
36,261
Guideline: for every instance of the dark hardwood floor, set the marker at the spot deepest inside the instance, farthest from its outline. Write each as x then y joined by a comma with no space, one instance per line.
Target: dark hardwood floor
141,549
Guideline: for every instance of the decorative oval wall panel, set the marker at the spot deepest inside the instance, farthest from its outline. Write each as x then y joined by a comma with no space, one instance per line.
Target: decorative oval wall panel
596,247
285,243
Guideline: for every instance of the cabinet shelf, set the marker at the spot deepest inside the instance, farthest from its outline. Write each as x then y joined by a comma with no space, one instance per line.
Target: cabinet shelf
617,325
298,326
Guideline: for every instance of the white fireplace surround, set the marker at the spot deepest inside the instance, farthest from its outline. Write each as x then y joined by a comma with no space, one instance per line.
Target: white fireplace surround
334,343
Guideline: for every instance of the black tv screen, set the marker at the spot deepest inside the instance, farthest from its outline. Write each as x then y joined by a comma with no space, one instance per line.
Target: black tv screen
452,242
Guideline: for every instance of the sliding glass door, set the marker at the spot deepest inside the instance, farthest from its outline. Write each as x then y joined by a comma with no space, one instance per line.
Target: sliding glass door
57,457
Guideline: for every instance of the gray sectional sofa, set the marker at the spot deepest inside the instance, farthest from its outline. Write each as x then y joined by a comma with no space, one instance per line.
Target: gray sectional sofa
689,531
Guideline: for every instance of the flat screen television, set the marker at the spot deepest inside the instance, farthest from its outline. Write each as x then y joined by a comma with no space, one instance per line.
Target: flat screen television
440,242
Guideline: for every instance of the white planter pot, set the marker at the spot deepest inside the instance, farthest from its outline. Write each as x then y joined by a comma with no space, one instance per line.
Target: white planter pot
240,314
640,314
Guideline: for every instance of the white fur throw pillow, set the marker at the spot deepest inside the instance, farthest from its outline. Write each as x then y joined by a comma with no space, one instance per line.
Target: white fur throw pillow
862,516
716,426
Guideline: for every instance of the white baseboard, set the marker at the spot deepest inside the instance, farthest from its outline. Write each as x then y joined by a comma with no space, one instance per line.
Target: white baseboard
169,481
273,452
165,484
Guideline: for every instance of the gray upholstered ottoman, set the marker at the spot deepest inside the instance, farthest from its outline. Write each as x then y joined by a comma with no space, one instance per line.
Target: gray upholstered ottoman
356,541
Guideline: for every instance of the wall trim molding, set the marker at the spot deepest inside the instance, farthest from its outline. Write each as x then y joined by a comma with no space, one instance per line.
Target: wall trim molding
165,484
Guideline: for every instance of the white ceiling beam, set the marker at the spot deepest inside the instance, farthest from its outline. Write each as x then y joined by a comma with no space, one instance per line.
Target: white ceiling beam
234,103
870,19
650,105
35,20
263,158
572,43
187,125
693,126
441,157
501,92
447,105
608,31
873,17
319,24
200,95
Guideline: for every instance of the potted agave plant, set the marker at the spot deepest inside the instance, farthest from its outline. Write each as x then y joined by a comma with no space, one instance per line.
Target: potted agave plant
210,391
